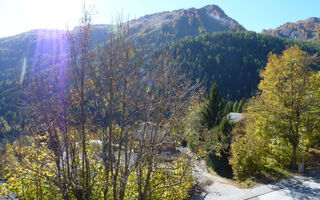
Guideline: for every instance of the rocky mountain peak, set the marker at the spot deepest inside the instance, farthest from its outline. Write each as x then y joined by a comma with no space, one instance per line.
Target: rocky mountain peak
308,29
214,9
180,23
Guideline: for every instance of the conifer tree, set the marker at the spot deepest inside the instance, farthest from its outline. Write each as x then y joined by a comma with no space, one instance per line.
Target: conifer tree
214,109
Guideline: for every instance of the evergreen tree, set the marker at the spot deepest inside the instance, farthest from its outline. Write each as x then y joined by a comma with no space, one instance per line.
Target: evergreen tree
228,108
240,105
235,106
213,111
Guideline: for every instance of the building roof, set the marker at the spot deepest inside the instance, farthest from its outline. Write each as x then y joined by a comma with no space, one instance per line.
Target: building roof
235,117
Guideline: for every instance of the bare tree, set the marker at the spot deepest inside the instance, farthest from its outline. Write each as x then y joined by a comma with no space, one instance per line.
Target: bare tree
139,106
109,94
57,94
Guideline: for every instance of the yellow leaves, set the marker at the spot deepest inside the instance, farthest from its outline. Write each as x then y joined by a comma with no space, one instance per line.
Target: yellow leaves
178,174
285,73
285,83
40,137
29,169
132,54
315,79
276,116
148,89
34,176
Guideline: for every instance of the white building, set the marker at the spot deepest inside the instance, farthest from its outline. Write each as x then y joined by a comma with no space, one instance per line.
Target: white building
235,117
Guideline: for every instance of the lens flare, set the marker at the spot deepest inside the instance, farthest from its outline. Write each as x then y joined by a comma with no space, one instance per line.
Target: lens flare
23,70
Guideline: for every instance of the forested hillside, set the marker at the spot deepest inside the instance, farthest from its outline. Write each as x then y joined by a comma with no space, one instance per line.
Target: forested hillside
233,60
19,56
150,32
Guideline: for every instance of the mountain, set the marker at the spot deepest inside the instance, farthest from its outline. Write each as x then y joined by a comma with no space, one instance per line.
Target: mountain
307,30
180,23
154,31
187,22
210,46
158,29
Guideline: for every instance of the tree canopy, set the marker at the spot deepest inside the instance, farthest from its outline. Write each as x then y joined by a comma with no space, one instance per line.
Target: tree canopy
274,119
232,60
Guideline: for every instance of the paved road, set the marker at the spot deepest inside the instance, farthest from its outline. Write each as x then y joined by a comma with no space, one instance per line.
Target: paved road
309,190
305,187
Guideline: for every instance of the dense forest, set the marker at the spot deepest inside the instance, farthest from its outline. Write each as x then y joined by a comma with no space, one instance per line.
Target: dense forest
232,60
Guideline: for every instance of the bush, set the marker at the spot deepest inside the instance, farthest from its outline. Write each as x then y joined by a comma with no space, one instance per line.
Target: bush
192,143
30,171
256,153
247,157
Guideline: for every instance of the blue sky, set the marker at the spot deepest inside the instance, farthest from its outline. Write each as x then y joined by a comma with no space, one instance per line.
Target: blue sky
18,16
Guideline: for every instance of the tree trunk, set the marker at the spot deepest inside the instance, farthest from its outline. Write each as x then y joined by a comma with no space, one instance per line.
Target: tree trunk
294,156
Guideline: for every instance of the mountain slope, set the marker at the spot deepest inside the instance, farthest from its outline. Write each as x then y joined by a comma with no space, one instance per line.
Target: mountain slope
181,23
232,60
157,29
154,30
308,29
187,22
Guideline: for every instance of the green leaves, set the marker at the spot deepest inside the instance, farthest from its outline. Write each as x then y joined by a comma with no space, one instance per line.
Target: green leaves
274,118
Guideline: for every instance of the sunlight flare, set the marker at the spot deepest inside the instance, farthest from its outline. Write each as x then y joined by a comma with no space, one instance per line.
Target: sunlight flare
23,70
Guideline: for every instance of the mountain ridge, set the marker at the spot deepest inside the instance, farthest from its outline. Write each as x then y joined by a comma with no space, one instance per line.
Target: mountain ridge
156,29
214,11
307,30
